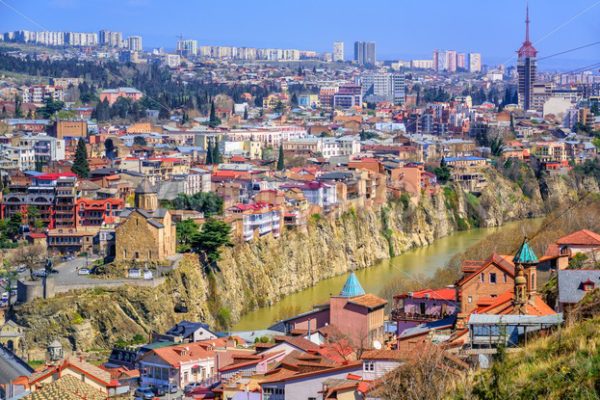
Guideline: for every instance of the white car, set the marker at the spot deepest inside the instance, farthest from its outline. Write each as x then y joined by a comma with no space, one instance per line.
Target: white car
84,271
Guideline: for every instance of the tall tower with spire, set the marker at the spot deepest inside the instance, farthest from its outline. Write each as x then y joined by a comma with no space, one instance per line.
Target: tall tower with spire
526,68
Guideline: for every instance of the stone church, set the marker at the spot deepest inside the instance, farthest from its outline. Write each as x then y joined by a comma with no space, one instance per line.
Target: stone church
146,233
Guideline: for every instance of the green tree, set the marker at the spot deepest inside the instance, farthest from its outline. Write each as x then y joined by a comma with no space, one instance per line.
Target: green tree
209,154
102,111
109,148
497,146
216,153
14,225
50,108
442,172
18,112
208,203
213,235
186,234
81,166
213,120
280,159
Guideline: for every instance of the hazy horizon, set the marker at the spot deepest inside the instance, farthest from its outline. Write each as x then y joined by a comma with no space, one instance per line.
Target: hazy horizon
401,30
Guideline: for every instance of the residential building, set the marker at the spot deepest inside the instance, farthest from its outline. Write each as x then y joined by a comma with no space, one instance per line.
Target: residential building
348,96
257,219
90,212
316,193
573,285
364,53
178,365
414,308
474,62
377,363
111,95
383,87
338,51
324,147
134,43
187,48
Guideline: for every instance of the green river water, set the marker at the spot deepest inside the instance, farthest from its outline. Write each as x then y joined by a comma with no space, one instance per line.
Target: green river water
423,260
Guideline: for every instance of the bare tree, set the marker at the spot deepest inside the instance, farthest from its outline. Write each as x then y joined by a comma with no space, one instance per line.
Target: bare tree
30,256
427,375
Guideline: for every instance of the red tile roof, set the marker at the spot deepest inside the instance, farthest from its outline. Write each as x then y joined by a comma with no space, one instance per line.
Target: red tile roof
368,300
448,294
583,237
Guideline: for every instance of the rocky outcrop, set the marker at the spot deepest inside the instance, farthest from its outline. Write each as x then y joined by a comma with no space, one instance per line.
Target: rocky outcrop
259,273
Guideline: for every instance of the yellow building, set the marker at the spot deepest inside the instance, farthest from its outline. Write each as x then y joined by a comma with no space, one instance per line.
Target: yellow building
147,233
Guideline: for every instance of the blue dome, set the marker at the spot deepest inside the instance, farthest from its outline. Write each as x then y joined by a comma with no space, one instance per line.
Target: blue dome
525,254
352,287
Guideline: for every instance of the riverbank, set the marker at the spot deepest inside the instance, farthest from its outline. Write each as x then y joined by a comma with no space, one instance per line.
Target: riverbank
423,261
261,273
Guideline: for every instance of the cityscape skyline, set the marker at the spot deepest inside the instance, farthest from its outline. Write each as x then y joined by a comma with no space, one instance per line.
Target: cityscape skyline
554,32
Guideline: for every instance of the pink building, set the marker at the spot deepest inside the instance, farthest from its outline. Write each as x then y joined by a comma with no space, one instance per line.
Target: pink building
111,95
353,313
414,308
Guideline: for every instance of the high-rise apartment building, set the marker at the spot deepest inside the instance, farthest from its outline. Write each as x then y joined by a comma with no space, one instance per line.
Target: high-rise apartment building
383,87
436,60
110,39
134,43
474,62
526,68
364,53
338,51
187,48
461,61
450,61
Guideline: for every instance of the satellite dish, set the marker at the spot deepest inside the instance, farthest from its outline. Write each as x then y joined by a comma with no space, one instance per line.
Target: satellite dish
377,344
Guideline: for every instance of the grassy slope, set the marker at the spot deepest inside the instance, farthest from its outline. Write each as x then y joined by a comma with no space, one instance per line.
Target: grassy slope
564,365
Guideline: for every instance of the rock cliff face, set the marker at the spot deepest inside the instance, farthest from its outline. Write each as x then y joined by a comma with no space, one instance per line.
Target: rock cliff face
257,274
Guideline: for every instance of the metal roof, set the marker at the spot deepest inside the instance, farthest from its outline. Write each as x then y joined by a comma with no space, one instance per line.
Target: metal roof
570,289
514,319
352,287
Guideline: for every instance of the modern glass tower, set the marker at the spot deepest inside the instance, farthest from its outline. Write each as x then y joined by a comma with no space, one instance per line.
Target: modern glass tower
526,68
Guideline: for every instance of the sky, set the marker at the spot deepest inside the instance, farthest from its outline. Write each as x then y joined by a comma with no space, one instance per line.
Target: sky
402,29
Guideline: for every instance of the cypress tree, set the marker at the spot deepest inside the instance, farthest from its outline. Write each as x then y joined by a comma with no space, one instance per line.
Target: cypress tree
280,160
80,165
246,113
216,154
209,154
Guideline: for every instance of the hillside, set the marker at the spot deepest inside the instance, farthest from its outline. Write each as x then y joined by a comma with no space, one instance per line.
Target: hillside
564,365
259,273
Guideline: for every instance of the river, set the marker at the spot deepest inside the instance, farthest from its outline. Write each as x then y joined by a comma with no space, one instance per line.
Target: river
422,260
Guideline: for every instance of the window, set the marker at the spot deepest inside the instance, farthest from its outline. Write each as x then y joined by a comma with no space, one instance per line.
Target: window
369,366
493,277
422,308
532,283
482,277
505,278
470,299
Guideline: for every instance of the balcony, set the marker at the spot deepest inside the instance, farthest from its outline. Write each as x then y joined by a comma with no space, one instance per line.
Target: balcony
400,315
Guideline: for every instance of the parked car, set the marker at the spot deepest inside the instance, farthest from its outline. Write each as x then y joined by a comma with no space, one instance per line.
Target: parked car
172,388
144,392
190,387
40,273
84,271
159,390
